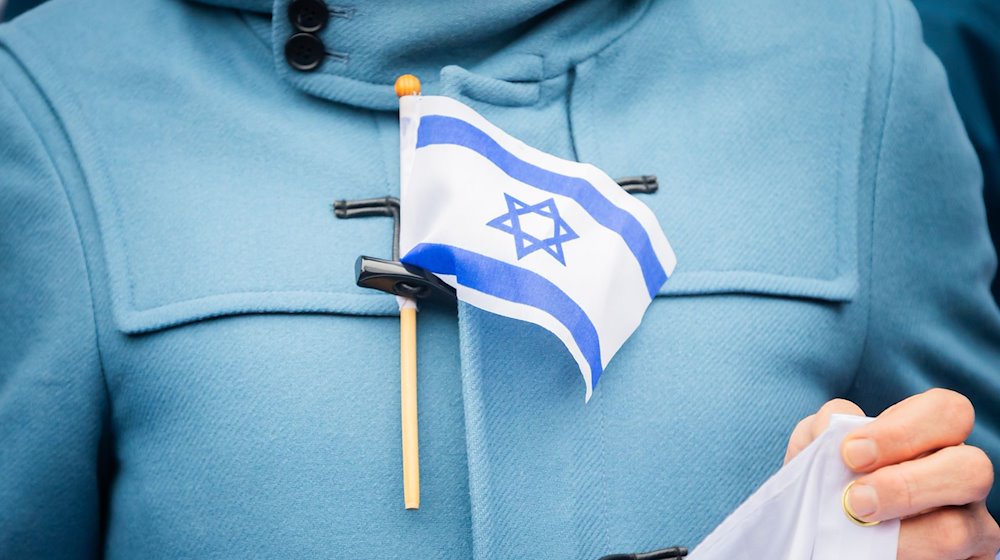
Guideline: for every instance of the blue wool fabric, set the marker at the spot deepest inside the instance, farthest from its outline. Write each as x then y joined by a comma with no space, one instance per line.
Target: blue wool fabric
188,371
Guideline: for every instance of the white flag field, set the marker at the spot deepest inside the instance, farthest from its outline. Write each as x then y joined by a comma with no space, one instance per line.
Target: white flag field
524,234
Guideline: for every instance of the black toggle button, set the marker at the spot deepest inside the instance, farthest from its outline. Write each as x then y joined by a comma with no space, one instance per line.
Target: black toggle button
308,16
304,52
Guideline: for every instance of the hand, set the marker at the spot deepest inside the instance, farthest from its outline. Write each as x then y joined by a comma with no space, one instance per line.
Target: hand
915,466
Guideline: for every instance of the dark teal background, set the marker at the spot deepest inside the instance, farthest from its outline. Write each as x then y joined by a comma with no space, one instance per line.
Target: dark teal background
965,34
17,7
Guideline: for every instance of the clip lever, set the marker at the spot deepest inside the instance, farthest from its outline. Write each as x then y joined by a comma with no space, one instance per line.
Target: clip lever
401,279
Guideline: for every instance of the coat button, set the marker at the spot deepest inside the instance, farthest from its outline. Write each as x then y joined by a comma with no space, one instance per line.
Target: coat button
304,52
308,16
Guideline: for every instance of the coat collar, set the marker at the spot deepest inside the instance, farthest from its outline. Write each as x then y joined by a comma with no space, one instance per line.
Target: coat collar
500,50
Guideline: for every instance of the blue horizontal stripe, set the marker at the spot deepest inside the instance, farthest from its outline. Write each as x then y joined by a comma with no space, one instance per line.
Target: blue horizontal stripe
437,129
513,283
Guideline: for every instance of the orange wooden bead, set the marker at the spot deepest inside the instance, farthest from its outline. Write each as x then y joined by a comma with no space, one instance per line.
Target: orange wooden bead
407,84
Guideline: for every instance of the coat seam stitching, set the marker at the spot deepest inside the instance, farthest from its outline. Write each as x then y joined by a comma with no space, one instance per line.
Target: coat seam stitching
869,297
64,191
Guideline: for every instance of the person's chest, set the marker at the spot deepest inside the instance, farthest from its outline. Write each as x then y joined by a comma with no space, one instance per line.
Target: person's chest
254,387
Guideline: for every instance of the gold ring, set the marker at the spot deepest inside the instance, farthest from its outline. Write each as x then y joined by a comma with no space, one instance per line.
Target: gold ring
849,513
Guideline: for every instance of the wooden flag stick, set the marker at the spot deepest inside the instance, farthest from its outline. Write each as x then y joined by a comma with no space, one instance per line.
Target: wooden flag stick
408,394
409,85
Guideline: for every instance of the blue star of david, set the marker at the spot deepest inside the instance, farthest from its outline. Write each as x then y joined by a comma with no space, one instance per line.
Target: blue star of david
526,243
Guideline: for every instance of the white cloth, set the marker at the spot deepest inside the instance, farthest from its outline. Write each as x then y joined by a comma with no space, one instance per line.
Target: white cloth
798,513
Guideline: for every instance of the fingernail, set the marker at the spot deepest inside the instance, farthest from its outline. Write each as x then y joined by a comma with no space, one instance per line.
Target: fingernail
862,500
860,453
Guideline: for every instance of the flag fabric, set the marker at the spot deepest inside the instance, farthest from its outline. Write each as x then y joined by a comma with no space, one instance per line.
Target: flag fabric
799,512
524,234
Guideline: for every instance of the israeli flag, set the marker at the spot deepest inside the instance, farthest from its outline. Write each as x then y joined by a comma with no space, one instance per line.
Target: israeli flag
524,234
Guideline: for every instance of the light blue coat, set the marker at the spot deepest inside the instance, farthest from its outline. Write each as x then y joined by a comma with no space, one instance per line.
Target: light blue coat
188,371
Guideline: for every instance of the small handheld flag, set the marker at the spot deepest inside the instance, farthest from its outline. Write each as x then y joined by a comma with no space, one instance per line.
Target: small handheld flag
408,86
525,234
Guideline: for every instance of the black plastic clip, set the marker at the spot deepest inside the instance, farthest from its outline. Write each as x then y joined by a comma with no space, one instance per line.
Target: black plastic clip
401,279
391,276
